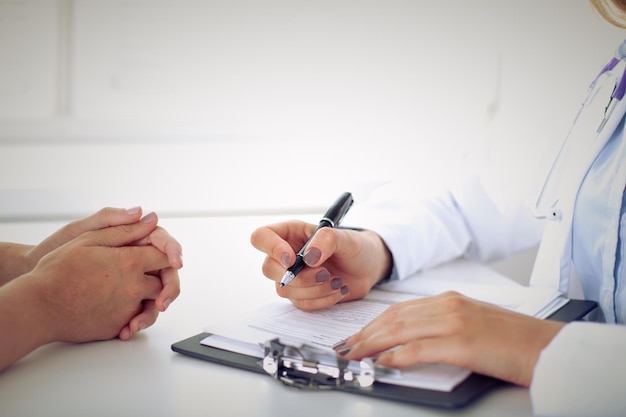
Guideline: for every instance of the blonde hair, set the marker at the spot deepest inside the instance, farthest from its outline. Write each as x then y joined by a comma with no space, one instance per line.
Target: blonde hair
613,11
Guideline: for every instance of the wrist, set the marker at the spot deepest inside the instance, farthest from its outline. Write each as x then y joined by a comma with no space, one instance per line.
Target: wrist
385,263
23,316
14,261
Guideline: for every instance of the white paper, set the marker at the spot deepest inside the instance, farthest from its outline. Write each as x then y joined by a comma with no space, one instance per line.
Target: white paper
327,327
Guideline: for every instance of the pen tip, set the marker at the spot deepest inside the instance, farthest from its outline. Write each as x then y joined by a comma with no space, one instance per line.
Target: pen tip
287,278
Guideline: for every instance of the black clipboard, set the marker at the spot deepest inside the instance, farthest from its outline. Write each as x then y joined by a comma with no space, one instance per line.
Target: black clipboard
463,394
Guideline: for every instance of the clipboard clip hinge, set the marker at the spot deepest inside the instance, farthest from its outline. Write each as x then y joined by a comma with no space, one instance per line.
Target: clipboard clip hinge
307,367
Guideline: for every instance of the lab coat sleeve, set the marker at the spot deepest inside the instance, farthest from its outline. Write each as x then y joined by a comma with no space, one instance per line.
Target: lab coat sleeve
424,229
419,232
582,372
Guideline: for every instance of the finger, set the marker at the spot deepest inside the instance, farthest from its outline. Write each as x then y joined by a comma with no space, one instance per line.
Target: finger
311,283
162,240
321,247
105,217
125,333
320,303
171,288
151,286
275,270
431,350
272,269
399,333
110,216
396,312
343,243
146,318
426,307
405,329
123,235
315,297
281,241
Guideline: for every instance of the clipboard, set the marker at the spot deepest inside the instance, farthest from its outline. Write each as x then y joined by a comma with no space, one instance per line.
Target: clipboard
470,389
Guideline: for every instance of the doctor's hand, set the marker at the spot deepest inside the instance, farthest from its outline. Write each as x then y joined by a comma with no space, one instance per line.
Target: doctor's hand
453,329
342,264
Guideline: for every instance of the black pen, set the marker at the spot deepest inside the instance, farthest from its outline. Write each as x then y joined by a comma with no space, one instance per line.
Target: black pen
332,218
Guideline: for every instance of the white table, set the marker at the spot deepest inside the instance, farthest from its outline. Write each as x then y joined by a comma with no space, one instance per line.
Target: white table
143,377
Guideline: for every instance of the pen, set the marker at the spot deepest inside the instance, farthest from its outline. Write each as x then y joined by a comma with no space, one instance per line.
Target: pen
332,218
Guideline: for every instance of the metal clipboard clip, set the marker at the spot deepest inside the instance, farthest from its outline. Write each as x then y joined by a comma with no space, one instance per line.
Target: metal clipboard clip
308,367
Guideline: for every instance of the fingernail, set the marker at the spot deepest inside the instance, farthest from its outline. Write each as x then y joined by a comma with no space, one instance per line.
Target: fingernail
322,276
166,304
285,259
312,256
336,283
141,326
345,351
149,218
133,210
345,290
180,260
339,345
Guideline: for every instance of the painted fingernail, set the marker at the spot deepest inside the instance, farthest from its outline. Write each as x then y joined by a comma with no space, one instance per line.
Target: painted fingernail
345,290
339,345
336,283
133,210
149,218
312,256
344,352
322,276
285,259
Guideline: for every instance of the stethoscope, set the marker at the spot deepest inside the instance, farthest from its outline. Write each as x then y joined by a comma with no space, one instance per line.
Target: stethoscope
546,204
584,140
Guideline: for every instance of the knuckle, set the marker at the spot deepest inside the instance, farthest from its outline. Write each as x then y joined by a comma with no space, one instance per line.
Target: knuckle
454,301
132,264
325,235
396,328
413,349
105,211
456,323
392,312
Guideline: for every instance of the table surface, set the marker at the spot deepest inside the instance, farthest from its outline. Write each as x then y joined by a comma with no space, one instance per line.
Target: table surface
222,275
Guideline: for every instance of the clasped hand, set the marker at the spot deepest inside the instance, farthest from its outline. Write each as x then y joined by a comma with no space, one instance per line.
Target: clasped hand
109,274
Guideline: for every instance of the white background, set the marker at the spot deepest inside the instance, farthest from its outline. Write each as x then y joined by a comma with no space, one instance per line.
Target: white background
243,106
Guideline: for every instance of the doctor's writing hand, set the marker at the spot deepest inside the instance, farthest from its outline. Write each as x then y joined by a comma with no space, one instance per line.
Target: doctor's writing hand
453,329
342,264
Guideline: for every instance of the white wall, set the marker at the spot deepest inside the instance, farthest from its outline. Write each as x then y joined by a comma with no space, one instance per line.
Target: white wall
221,106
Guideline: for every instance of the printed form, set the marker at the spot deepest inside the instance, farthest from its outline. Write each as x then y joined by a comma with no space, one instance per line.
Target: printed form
327,327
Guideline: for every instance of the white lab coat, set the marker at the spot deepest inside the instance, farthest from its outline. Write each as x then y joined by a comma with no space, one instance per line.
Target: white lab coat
583,370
